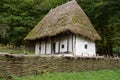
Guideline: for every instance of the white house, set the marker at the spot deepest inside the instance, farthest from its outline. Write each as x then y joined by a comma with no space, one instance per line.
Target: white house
65,30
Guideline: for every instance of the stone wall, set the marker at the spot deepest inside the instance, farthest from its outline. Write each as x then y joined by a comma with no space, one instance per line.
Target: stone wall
27,65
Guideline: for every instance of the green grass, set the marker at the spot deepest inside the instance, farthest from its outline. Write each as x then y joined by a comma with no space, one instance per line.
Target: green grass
89,75
11,51
14,51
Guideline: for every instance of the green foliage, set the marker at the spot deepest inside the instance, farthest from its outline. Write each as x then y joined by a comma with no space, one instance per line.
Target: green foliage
3,30
17,14
114,26
21,16
116,50
105,17
89,75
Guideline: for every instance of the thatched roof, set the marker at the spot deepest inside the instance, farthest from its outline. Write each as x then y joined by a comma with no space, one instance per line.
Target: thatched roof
67,17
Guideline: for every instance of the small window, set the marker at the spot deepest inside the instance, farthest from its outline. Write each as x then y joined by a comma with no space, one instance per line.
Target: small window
62,46
86,46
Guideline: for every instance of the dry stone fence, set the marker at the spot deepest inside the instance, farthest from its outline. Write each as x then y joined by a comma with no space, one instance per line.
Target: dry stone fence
28,65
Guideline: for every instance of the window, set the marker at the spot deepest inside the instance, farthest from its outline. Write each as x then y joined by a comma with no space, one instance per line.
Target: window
85,46
62,46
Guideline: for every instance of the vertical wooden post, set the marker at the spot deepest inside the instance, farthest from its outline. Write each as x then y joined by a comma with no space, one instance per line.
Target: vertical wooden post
75,45
40,48
68,43
59,46
51,44
72,42
45,47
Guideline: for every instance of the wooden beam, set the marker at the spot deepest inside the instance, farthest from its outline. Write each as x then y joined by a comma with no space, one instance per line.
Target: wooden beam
45,47
51,46
59,46
75,44
72,42
68,43
40,48
75,39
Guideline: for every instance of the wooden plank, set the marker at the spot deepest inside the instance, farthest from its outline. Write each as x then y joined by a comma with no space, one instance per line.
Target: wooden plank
68,43
59,46
45,46
72,42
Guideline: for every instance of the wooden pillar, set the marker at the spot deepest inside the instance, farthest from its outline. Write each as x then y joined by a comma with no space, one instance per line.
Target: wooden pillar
59,46
75,44
72,42
37,48
51,45
68,43
45,47
75,39
40,48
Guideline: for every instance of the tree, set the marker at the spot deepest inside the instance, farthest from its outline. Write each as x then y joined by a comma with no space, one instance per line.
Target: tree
3,30
104,12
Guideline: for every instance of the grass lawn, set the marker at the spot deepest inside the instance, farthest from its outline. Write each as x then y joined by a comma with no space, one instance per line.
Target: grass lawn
89,75
11,51
14,50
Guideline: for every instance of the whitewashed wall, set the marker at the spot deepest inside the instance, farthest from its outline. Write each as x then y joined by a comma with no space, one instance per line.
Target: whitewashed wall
77,42
37,48
48,48
70,43
63,42
80,47
74,44
42,47
56,46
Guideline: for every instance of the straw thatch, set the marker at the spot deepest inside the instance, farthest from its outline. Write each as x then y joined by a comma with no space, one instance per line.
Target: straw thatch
67,17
